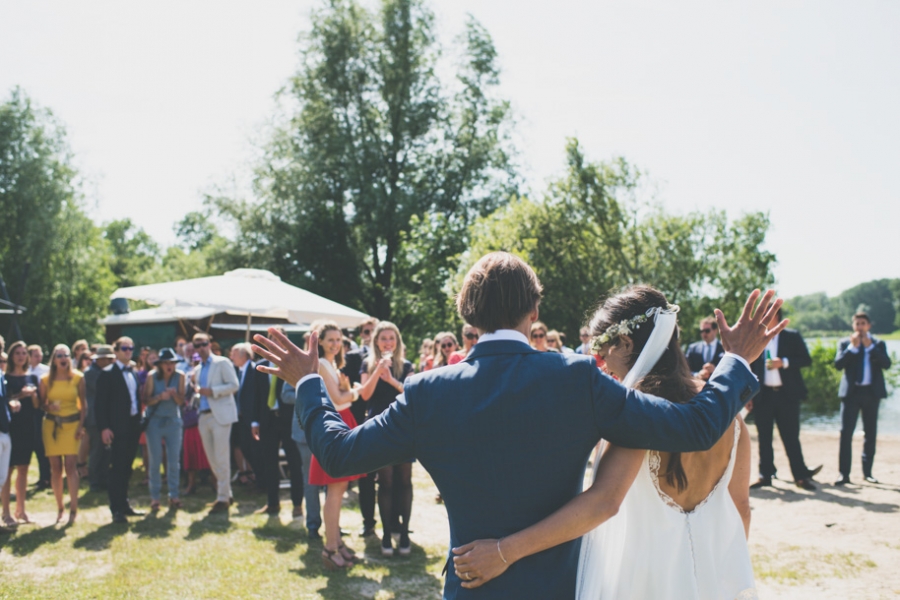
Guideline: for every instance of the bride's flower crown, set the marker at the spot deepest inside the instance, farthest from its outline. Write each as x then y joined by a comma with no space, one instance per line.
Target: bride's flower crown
627,326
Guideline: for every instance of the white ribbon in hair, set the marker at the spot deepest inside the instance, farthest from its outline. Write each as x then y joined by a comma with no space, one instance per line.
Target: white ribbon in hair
665,320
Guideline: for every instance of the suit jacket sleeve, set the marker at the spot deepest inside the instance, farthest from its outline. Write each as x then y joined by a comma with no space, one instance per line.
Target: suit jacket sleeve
261,399
797,353
633,419
386,439
230,384
844,356
102,402
879,357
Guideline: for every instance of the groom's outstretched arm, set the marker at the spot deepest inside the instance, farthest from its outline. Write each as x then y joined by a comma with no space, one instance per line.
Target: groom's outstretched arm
384,440
636,420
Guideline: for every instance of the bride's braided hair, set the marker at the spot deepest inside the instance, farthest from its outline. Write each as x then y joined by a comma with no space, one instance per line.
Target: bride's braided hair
671,377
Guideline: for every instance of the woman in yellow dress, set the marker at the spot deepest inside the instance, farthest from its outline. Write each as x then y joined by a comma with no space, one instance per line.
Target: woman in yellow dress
63,396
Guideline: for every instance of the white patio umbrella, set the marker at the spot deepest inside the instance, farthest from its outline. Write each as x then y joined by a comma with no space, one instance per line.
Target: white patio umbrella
251,292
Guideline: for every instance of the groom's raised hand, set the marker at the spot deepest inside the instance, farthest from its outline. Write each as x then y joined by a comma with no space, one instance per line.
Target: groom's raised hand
289,362
751,332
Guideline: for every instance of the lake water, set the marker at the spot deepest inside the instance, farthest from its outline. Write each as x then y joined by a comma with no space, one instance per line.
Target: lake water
888,412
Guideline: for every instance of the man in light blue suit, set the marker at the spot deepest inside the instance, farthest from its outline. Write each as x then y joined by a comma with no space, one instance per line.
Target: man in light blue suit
506,434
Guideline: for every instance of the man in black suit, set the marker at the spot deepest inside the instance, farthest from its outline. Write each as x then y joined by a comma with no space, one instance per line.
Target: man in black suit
353,364
272,428
781,391
863,360
118,418
704,356
253,391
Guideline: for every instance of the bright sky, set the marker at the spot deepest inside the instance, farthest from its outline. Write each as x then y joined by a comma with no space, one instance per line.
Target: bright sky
789,108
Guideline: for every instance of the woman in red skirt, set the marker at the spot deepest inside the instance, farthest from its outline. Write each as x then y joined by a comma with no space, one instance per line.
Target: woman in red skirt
331,358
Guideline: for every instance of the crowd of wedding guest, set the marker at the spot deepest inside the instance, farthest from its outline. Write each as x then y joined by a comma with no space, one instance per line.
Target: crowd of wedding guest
219,421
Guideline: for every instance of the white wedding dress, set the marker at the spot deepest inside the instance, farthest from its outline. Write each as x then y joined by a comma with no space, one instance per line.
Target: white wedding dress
653,549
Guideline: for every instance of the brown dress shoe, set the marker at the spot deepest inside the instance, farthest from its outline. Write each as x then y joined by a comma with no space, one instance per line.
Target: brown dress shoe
219,507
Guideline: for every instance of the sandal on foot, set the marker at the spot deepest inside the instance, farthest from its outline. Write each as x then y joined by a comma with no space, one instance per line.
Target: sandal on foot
9,521
22,518
72,515
347,553
154,505
174,503
328,560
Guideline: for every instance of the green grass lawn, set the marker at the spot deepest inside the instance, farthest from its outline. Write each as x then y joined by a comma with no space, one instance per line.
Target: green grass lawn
189,554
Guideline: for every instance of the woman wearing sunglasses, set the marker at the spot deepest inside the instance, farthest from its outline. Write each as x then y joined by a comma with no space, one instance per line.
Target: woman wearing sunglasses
63,394
446,345
539,337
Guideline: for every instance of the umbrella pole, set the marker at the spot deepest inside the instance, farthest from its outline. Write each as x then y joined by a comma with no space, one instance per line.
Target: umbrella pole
247,336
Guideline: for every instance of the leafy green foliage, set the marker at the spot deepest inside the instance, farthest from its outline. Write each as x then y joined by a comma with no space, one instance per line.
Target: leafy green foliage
592,233
822,379
46,231
376,147
132,251
819,313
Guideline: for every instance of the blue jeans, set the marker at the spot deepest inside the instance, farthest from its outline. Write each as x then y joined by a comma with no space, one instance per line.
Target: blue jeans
310,492
170,430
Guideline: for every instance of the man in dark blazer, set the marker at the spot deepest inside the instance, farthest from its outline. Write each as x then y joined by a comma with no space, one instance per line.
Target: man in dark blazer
782,391
482,427
119,420
703,357
272,427
863,359
98,461
253,392
353,364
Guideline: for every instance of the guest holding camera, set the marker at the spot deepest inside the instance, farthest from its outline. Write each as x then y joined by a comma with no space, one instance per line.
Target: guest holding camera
863,359
63,392
387,369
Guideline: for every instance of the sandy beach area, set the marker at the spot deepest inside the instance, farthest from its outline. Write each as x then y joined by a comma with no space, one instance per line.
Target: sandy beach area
836,542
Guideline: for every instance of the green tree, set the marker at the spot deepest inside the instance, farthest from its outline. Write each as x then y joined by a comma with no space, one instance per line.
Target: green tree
376,146
133,251
46,230
875,297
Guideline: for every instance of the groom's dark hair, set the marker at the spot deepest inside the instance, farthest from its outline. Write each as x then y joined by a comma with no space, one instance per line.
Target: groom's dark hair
498,292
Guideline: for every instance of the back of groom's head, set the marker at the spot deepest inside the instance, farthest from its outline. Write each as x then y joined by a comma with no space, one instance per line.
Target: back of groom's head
499,292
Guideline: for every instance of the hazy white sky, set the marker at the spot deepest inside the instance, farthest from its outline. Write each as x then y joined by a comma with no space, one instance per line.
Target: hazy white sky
787,107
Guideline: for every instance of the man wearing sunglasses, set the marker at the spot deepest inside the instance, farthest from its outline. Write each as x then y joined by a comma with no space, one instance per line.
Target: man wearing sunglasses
118,417
703,357
216,382
470,338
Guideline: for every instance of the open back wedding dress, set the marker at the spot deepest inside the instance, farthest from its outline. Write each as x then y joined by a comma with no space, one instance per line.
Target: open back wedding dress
655,549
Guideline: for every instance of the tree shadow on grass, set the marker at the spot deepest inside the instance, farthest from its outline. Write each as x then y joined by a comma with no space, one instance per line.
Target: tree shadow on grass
284,538
406,577
156,525
215,524
26,543
101,538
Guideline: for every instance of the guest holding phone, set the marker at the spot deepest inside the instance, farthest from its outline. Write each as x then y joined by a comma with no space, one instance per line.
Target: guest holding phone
163,394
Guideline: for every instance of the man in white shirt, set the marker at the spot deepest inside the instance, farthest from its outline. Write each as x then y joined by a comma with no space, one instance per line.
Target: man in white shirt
118,416
781,391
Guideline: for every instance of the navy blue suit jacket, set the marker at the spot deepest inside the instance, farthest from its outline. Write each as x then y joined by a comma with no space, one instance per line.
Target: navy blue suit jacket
792,347
852,362
694,355
506,434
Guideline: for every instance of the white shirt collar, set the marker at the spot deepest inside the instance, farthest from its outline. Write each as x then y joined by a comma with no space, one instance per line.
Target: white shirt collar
506,335
121,366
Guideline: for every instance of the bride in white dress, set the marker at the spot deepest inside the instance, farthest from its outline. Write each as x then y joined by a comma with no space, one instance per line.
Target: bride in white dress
680,531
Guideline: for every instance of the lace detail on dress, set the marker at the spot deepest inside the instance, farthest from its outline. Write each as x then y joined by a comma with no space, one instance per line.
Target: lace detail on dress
748,594
653,461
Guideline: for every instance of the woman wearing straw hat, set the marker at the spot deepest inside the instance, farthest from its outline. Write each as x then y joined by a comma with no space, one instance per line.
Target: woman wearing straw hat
163,394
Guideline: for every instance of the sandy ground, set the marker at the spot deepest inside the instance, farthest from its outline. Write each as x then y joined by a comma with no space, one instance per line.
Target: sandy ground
836,542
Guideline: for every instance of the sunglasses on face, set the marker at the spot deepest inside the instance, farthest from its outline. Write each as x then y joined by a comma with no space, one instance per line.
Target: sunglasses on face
471,336
447,345
366,332
708,329
62,356
126,348
585,335
201,344
538,336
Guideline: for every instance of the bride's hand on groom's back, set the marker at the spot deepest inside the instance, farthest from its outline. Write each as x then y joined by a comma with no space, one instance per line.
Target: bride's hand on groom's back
478,562
754,329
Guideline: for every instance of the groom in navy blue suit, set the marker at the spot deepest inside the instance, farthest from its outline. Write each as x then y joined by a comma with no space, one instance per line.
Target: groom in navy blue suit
482,428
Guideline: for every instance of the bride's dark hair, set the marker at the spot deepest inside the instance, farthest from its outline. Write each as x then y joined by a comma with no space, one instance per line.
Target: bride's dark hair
670,378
